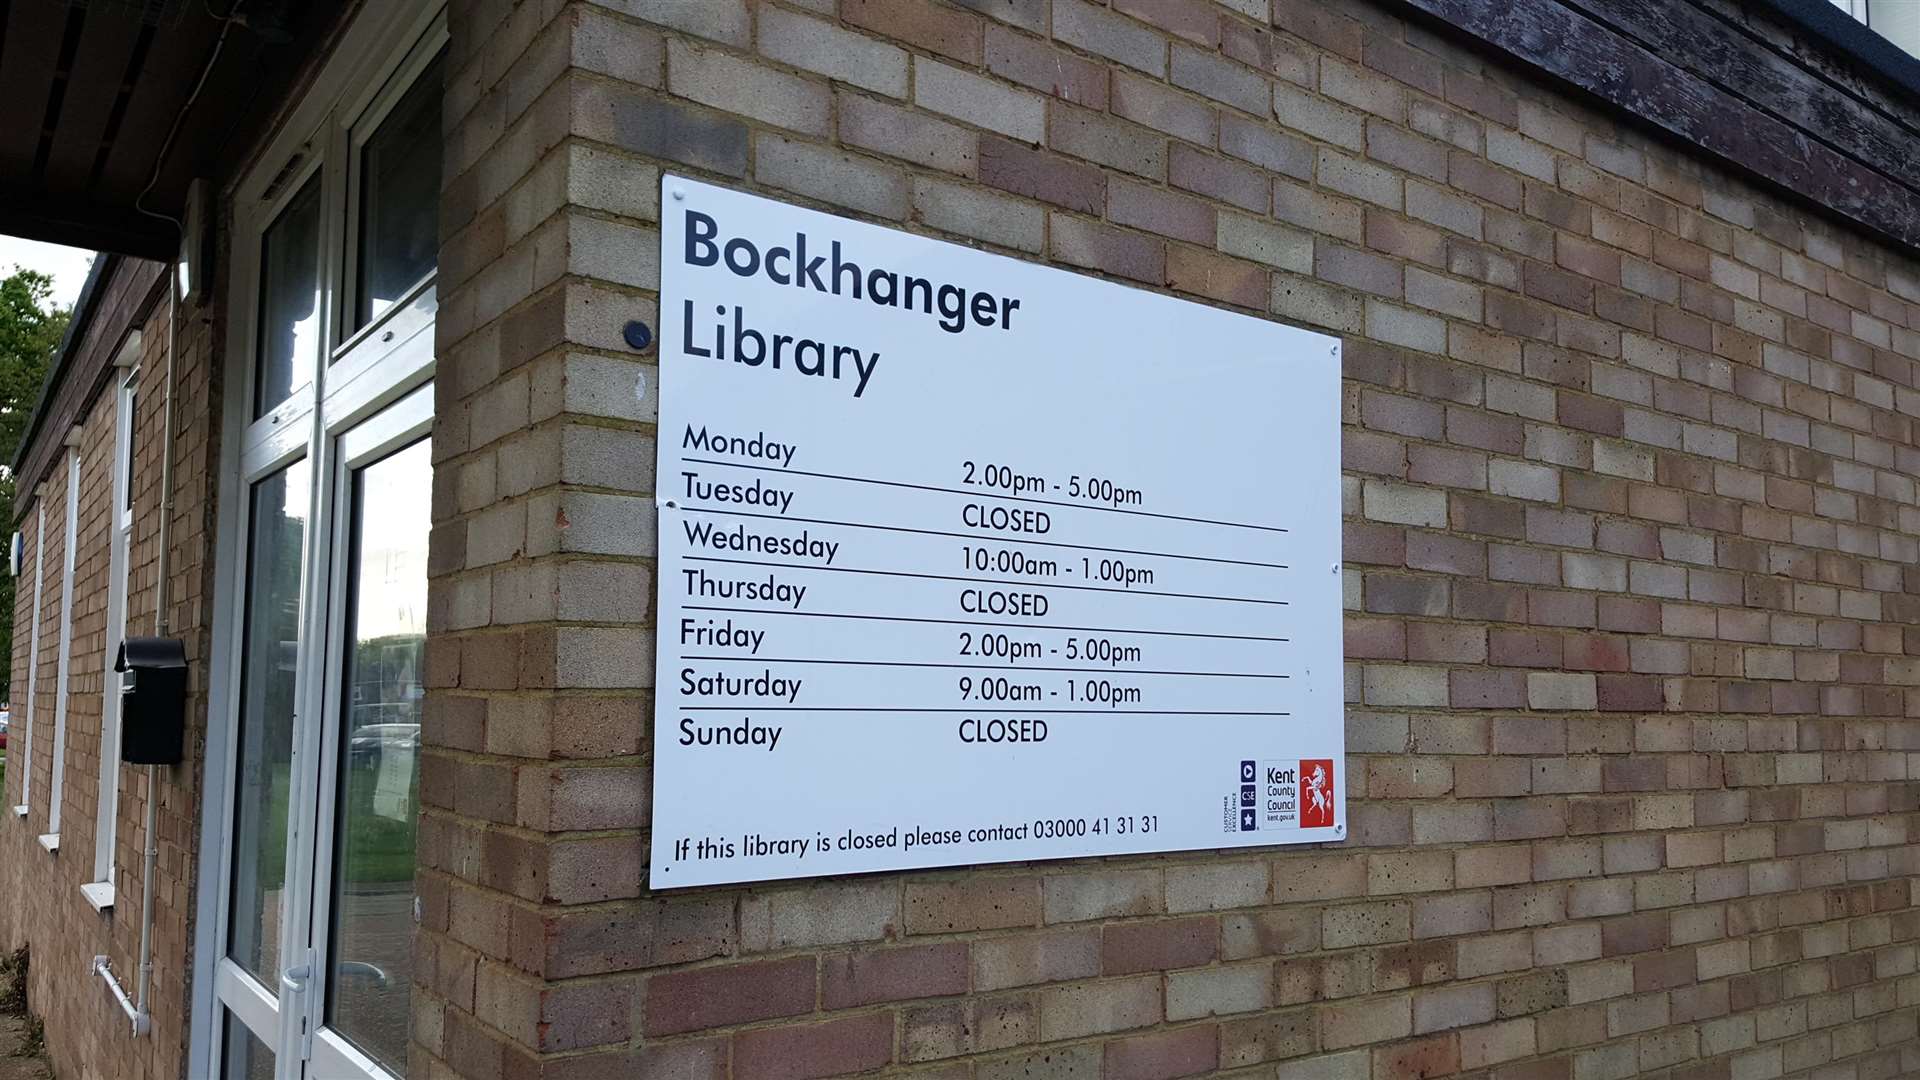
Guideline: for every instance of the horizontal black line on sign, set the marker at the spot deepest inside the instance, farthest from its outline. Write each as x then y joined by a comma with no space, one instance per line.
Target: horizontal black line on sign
978,536
989,710
987,494
983,622
989,581
987,667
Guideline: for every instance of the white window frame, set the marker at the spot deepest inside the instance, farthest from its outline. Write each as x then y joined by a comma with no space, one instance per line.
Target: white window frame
25,755
99,891
381,369
50,839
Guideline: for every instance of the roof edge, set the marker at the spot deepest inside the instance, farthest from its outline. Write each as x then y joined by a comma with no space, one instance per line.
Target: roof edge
1850,37
104,266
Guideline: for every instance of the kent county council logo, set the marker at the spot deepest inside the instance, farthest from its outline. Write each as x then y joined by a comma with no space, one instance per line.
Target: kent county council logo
1316,794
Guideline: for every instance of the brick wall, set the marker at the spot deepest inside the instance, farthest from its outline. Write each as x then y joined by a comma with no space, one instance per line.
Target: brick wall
1629,472
40,901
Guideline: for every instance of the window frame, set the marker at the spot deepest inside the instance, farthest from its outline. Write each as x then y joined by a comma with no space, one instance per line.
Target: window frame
99,890
63,696
33,658
351,380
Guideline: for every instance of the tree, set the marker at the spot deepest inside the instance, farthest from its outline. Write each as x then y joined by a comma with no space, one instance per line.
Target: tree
30,332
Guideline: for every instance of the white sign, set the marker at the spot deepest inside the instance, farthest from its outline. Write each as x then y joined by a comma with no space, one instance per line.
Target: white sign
967,560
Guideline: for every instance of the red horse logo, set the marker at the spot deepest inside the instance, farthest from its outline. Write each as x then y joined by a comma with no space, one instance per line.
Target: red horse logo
1316,794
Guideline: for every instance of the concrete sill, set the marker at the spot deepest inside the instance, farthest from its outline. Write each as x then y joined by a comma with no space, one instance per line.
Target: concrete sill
99,894
20,811
50,841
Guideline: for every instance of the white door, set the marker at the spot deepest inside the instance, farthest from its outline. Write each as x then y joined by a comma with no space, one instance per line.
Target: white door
314,716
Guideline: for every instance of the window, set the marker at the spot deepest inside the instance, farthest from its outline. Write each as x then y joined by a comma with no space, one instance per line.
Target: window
289,319
266,718
56,787
24,723
400,199
1896,20
99,891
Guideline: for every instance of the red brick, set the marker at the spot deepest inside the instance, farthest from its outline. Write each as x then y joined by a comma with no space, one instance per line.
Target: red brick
863,978
1218,178
1324,27
1110,250
806,1051
1039,175
1471,689
1163,1055
974,903
1437,1055
701,998
1157,210
1229,281
931,27
1031,62
1629,693
1126,948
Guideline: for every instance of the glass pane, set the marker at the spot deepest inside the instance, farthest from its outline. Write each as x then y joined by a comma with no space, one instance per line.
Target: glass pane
379,794
132,390
275,550
289,300
245,1057
400,198
1896,20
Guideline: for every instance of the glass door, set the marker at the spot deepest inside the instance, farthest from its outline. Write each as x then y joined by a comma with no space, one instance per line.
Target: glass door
363,917
314,721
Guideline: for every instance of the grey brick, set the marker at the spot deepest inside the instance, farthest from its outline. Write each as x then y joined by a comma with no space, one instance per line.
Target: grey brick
1266,147
979,101
1103,140
1104,33
908,134
832,176
1263,241
717,20
820,46
658,128
980,214
604,457
1222,80
613,251
743,86
600,179
1303,110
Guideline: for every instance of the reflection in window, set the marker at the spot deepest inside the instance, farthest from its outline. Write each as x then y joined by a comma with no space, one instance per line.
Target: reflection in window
400,198
245,1057
289,300
275,549
380,761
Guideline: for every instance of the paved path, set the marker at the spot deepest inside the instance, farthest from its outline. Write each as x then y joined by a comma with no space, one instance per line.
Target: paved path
13,1032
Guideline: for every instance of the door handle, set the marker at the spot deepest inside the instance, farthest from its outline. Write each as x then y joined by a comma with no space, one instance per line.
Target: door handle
293,986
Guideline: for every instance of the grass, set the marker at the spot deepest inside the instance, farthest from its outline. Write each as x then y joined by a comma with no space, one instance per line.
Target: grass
376,849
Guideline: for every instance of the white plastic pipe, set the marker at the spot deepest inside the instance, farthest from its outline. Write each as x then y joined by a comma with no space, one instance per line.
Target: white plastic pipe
104,969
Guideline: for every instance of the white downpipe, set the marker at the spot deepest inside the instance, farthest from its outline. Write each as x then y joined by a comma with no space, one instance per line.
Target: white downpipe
136,1009
161,624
